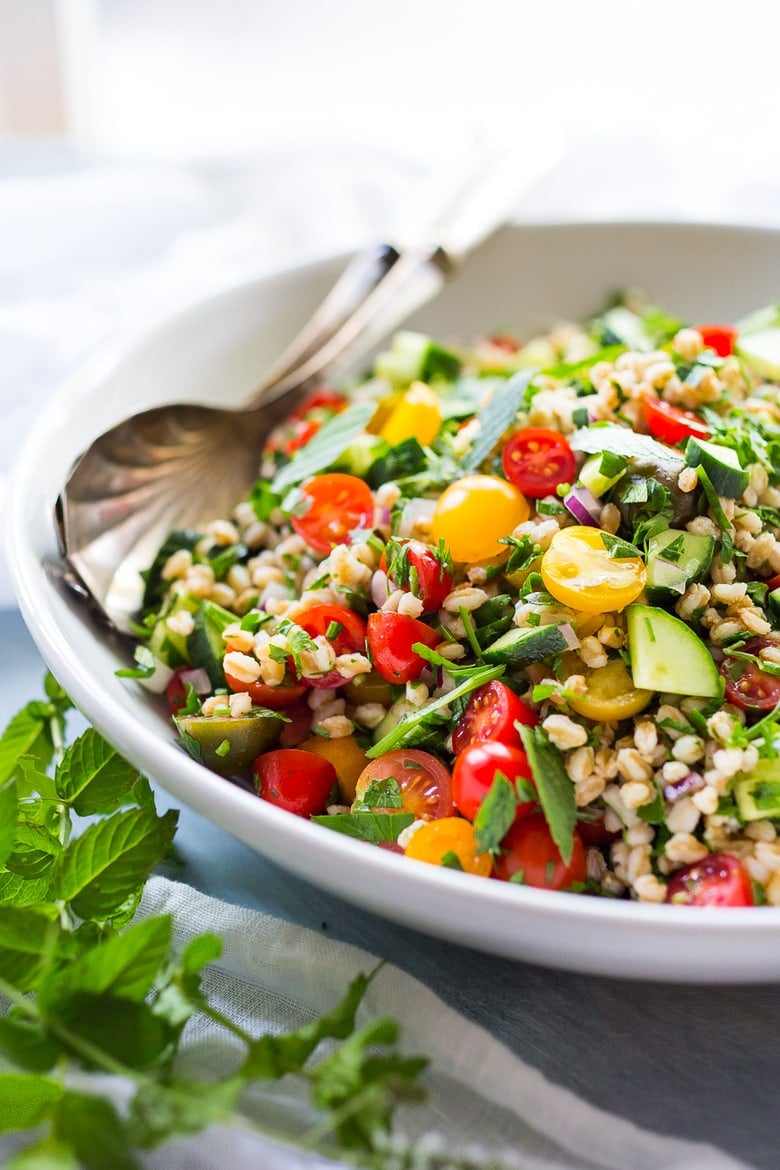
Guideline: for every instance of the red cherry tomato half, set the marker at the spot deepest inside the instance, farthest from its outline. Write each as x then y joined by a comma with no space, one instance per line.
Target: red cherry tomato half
773,583
670,424
391,637
176,690
350,638
528,849
300,782
302,432
425,783
491,714
504,341
747,685
323,400
717,880
721,338
433,582
331,507
477,767
277,698
536,460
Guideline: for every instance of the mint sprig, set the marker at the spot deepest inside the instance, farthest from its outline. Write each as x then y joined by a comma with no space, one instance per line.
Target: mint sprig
89,987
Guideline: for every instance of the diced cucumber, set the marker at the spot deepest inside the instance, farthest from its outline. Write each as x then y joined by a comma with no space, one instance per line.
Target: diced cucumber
621,325
206,644
393,717
774,600
722,465
758,795
593,474
226,745
414,356
165,643
674,559
667,656
517,647
361,454
761,351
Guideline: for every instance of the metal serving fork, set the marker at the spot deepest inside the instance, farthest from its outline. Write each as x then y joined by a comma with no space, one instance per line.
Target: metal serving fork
181,465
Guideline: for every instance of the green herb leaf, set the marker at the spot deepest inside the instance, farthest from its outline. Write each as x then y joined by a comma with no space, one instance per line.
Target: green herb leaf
25,936
331,441
450,860
555,789
495,816
620,440
26,734
381,793
718,515
161,1111
367,826
93,778
124,966
8,815
409,723
25,1100
497,417
91,1127
103,867
617,548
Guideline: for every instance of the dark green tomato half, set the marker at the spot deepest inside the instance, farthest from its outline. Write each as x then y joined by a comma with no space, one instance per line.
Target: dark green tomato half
247,737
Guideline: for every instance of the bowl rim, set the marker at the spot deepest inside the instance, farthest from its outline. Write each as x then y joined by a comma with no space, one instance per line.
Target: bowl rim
32,587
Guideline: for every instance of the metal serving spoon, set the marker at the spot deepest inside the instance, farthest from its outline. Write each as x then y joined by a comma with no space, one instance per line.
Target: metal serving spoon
181,464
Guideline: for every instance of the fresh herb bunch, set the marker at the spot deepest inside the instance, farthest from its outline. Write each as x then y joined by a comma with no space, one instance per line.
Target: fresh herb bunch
87,988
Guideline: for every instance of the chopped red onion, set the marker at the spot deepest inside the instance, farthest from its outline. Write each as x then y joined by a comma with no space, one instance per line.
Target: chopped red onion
198,679
381,517
326,682
572,641
690,783
380,589
583,506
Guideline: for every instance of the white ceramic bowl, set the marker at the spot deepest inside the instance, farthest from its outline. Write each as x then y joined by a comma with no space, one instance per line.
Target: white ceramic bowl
524,277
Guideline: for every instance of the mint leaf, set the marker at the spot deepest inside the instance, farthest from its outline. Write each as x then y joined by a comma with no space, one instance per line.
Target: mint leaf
381,793
91,1127
159,1112
620,440
27,1044
270,1057
24,938
180,993
495,816
367,826
122,1029
497,417
103,867
25,1100
20,891
125,965
34,850
8,799
26,734
554,788
92,777
46,1154
330,441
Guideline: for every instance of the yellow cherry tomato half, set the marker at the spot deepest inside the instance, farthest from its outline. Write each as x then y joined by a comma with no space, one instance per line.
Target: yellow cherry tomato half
473,512
579,572
416,416
438,841
610,695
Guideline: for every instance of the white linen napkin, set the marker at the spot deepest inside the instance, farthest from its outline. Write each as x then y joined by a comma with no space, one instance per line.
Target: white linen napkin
482,1099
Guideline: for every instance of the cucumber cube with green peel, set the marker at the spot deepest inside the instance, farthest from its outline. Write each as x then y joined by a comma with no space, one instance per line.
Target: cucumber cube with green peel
667,656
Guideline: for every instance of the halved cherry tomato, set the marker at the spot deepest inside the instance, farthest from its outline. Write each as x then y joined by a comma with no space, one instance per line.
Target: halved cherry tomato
295,780
747,685
424,781
176,690
449,835
529,850
717,880
331,507
477,767
349,639
537,460
773,583
391,637
432,581
324,400
277,698
579,572
303,430
473,513
670,424
491,714
504,341
721,338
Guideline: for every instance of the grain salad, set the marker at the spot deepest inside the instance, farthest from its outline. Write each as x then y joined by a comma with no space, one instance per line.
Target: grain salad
511,608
